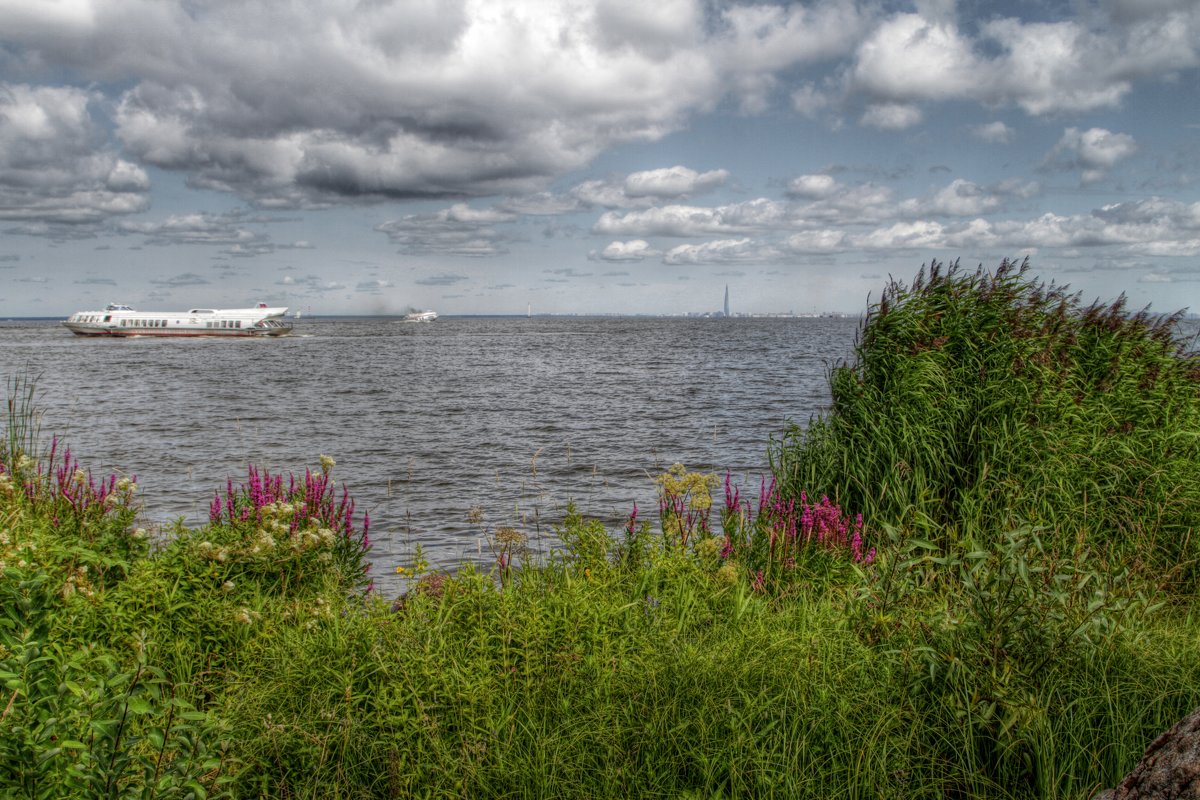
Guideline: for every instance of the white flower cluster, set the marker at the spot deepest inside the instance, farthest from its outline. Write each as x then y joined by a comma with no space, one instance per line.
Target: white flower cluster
77,582
212,552
247,617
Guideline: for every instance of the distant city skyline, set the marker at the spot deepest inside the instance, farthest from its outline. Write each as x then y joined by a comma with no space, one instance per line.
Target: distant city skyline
590,156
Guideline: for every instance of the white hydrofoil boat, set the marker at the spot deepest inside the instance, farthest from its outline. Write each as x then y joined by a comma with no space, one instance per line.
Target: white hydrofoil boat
121,320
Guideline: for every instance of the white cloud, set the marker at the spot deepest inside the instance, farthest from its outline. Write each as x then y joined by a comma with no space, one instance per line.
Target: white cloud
809,100
680,220
55,170
1093,152
903,236
842,204
724,251
654,30
961,198
993,133
757,41
673,182
891,116
909,57
635,250
220,229
817,241
1067,65
812,186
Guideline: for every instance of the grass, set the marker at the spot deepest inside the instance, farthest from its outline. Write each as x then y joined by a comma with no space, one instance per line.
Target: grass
761,644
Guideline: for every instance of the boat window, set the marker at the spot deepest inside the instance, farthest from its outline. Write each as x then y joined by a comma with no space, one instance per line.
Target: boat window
108,317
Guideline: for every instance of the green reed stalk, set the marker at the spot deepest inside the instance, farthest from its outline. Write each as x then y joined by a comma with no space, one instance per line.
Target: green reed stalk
21,429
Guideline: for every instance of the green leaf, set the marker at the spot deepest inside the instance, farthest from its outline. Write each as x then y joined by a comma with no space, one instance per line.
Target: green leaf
920,544
140,705
46,755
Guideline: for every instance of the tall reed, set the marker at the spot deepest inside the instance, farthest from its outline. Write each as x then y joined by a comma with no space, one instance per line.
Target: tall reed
986,400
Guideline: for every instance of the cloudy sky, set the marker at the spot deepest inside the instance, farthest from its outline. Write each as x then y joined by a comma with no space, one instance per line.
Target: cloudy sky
574,156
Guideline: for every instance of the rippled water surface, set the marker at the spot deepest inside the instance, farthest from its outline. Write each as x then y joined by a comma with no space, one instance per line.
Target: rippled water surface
514,415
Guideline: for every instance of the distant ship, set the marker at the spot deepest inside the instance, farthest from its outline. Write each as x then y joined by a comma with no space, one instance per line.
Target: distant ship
122,320
420,316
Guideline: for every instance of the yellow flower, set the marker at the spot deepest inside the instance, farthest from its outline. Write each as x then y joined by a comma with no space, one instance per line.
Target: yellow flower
327,463
708,549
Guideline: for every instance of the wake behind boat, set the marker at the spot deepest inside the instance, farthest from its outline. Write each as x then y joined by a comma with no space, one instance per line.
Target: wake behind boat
122,320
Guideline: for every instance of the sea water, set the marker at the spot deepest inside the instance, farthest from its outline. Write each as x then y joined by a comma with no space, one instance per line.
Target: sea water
514,416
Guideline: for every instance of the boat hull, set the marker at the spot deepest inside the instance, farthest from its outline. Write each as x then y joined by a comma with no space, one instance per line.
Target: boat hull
84,330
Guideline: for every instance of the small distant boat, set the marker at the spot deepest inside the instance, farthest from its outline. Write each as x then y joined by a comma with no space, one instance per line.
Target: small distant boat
420,316
122,320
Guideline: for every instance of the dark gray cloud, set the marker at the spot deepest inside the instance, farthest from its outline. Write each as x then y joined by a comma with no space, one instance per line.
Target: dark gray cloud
230,230
179,281
457,230
373,286
445,279
567,272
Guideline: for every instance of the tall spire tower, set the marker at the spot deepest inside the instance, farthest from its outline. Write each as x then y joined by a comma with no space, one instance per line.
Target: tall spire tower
727,299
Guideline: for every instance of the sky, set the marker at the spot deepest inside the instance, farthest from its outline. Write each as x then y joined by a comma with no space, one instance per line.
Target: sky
590,156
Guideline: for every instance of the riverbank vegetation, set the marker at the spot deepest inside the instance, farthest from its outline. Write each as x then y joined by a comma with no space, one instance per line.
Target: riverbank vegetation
973,577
